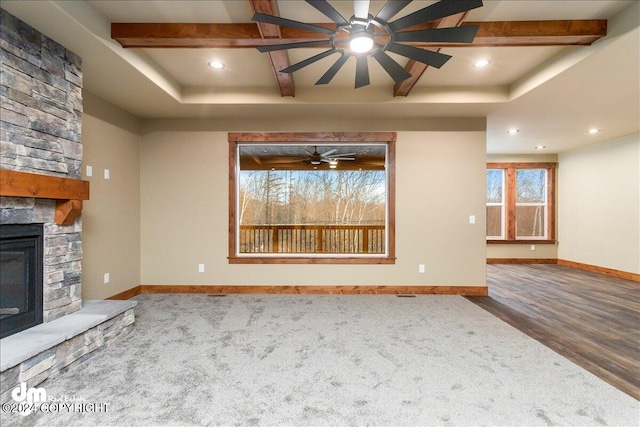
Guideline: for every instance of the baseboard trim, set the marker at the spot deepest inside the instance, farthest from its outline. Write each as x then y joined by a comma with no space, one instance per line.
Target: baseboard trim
577,265
315,289
601,270
357,289
522,261
129,293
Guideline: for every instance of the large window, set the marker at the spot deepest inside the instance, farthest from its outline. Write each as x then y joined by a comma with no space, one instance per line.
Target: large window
520,202
306,198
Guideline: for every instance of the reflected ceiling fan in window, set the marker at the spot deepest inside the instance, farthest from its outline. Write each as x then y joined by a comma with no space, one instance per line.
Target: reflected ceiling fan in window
316,158
375,36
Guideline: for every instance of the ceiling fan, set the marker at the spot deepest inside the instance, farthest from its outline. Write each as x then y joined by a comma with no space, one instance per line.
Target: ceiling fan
316,158
366,30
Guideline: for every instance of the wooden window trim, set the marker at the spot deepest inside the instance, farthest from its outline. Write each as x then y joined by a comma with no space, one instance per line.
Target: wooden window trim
310,137
510,202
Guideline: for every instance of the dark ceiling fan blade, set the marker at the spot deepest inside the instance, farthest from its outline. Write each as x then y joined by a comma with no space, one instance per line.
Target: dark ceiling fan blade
308,61
362,71
328,11
434,59
391,8
451,35
331,72
276,20
395,70
361,9
435,11
284,46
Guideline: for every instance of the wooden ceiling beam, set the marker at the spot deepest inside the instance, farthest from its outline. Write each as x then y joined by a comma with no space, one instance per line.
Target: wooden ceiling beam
279,59
415,68
247,35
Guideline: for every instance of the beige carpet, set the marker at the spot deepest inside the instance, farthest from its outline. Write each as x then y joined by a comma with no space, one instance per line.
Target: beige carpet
328,360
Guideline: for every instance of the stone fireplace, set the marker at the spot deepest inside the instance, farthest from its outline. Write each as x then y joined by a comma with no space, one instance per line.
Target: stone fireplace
40,171
41,134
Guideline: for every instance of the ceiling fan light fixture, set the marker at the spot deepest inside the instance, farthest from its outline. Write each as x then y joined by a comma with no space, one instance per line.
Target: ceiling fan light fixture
361,41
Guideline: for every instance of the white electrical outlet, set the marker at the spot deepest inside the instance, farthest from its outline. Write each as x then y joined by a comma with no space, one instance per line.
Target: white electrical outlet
200,268
89,170
472,219
533,247
107,174
420,268
106,278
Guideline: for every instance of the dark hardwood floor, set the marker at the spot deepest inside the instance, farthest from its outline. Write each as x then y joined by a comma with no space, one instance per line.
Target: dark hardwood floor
591,319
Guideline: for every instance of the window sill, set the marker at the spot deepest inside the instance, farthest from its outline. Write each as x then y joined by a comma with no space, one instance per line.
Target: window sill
311,260
521,241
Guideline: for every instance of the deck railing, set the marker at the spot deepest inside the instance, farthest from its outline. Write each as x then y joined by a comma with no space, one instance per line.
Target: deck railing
296,239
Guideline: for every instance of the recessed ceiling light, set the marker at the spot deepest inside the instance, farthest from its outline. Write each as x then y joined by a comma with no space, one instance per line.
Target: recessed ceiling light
216,64
513,131
481,63
540,147
593,131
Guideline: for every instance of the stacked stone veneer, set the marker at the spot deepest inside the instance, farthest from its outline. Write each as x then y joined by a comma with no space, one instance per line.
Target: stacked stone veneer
40,125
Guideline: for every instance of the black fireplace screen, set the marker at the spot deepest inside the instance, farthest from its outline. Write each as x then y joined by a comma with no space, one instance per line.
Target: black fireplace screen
21,271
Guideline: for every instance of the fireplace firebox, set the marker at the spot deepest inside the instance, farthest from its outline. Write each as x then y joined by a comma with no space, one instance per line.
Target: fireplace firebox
21,275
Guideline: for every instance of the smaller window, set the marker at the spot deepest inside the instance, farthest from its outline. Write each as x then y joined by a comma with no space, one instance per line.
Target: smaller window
495,203
520,202
531,204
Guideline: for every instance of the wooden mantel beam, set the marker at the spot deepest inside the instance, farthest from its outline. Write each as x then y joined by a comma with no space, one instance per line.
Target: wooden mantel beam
68,193
247,35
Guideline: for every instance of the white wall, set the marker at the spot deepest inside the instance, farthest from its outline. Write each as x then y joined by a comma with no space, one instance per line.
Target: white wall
599,204
440,180
111,217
